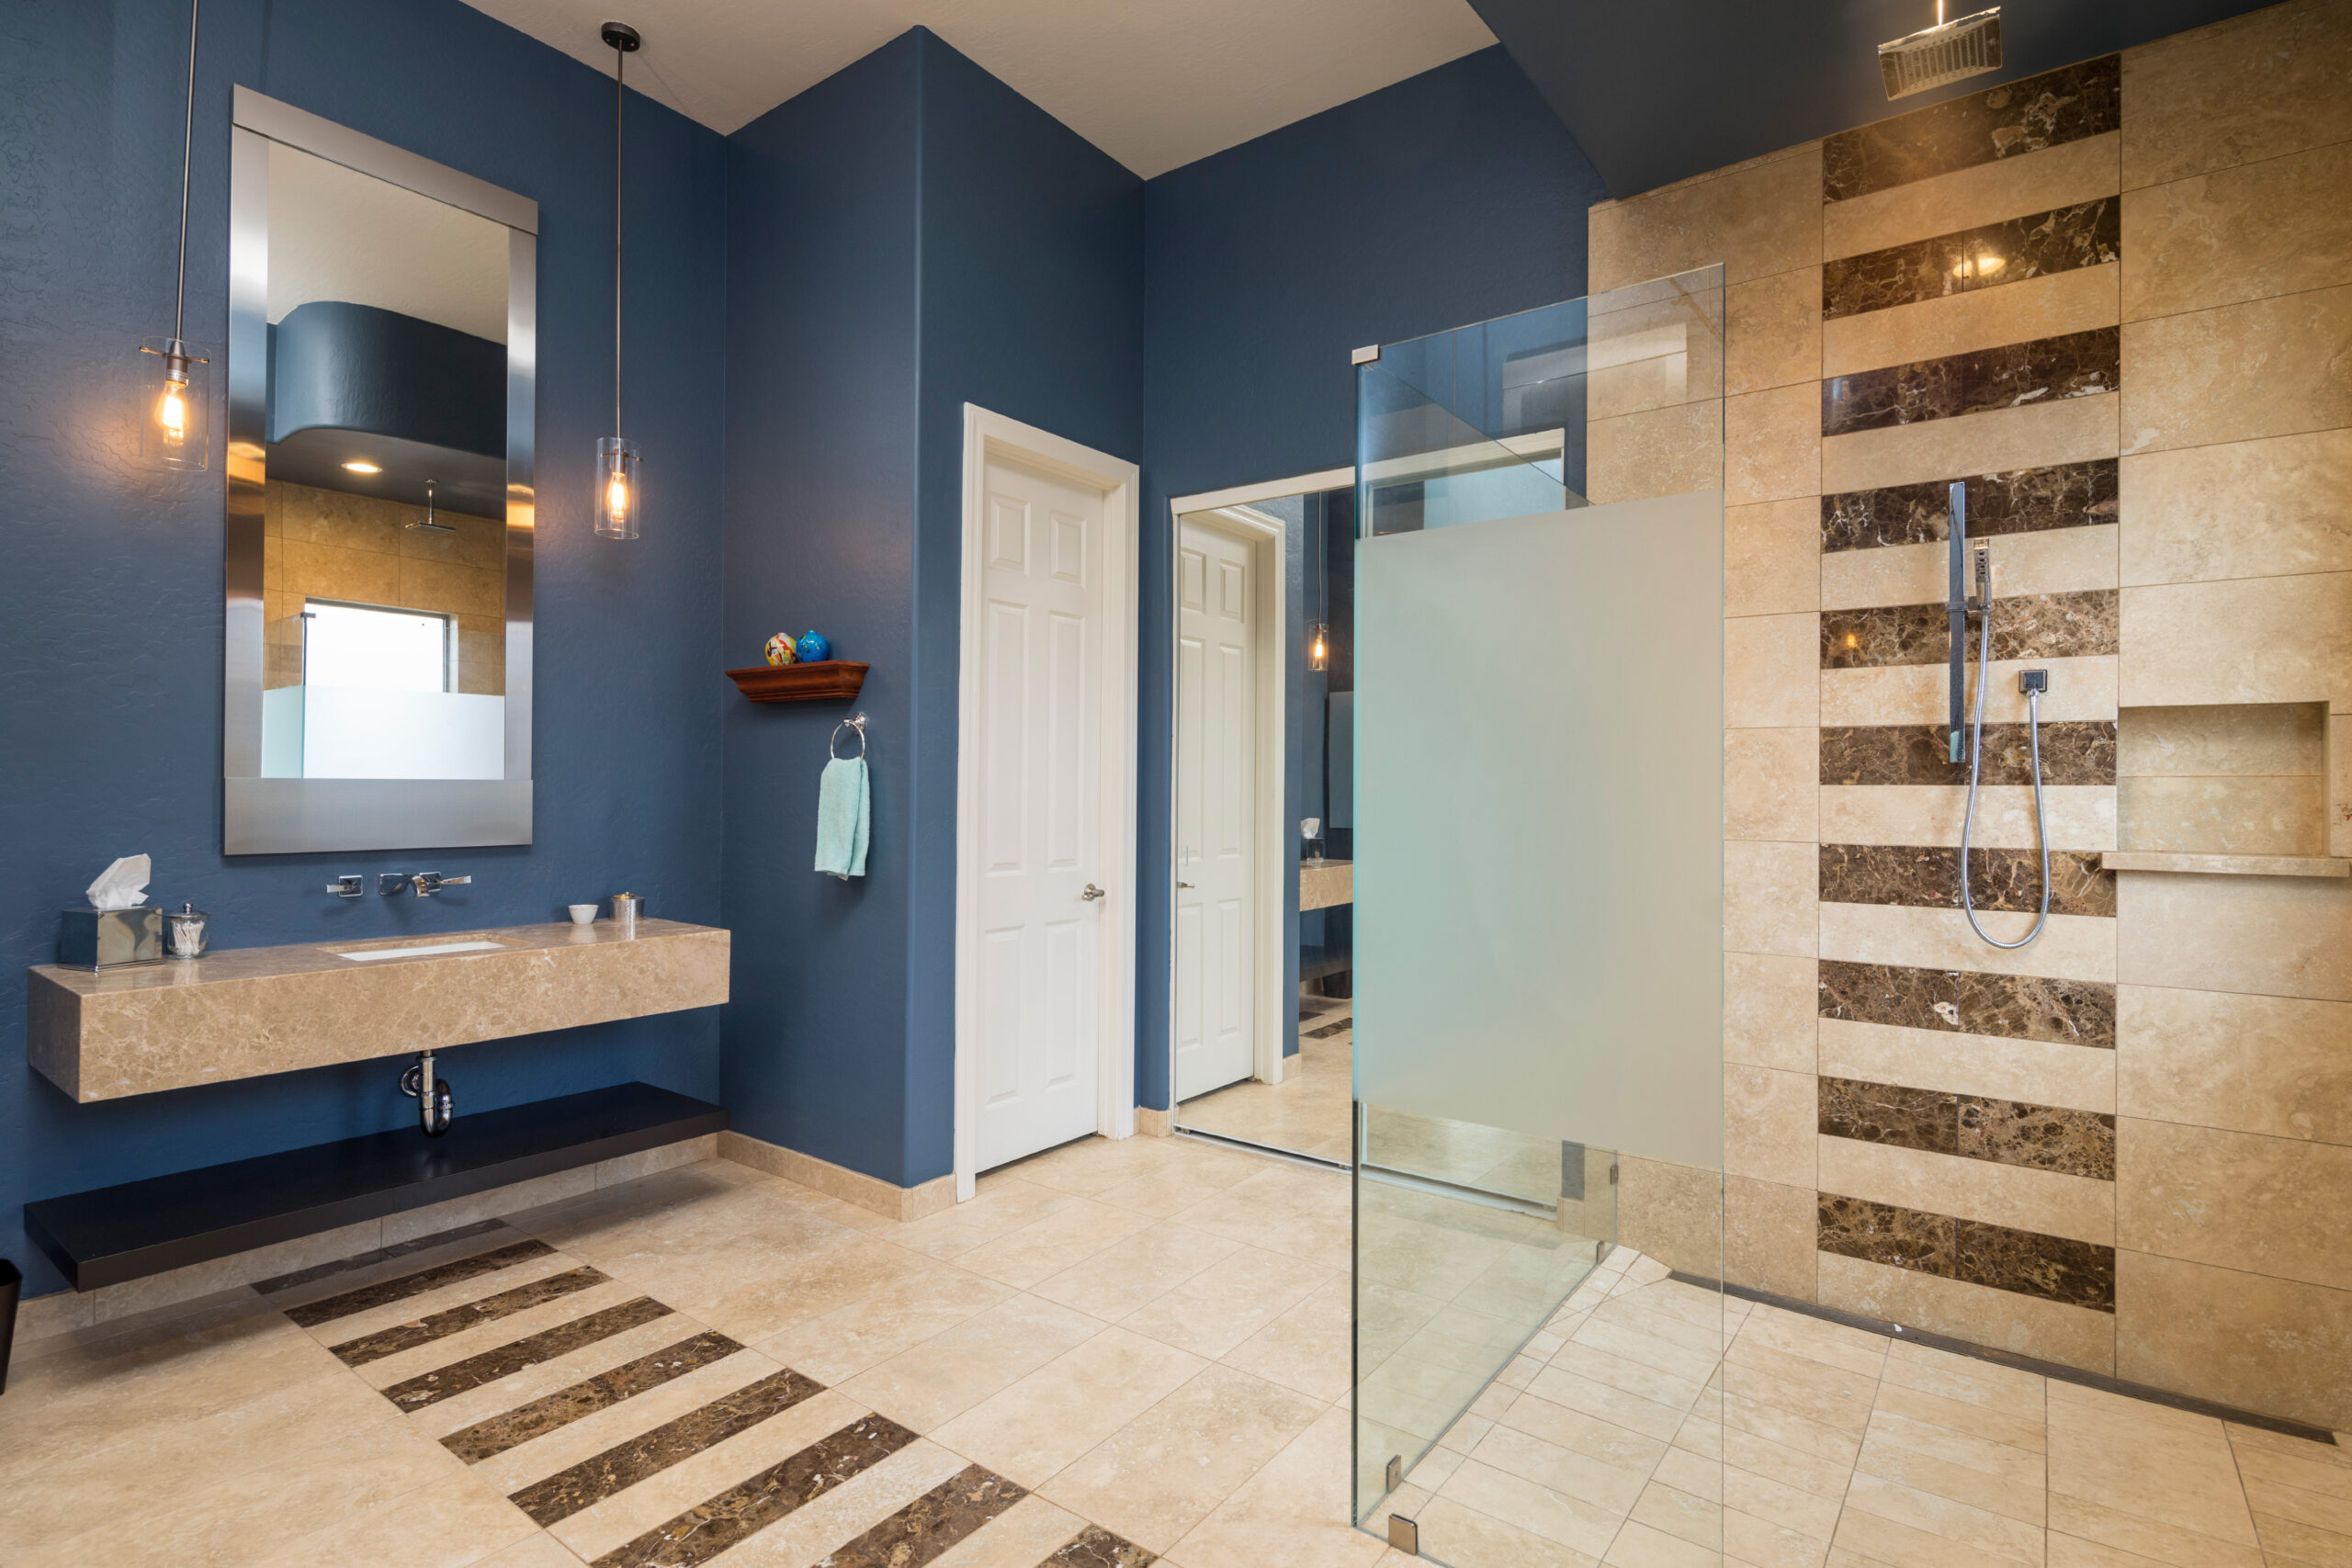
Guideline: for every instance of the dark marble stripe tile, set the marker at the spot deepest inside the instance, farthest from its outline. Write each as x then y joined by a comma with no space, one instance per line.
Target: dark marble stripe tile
311,1314
2069,103
2072,753
2079,1273
2039,1137
497,1434
1328,1030
709,1528
2013,1007
380,1254
1888,1113
1882,1233
1095,1547
457,1319
431,1388
931,1524
590,1482
2024,501
2033,626
2064,239
1926,876
2045,370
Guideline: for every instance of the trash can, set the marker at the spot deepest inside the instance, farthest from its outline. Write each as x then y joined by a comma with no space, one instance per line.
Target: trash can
12,1285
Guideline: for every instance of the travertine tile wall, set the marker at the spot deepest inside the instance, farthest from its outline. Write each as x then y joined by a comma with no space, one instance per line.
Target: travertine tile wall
2115,299
326,544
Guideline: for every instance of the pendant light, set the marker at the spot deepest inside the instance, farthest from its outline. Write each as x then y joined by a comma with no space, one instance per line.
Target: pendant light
619,494
171,405
1319,634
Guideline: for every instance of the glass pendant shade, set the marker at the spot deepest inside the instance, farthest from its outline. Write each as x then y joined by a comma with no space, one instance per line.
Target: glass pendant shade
619,493
170,390
1319,646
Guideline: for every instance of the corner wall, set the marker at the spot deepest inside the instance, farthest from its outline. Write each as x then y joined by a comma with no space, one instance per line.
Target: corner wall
2128,1147
1452,197
112,591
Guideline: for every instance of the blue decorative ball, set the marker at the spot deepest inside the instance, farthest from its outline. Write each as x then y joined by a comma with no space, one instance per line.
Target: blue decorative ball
813,648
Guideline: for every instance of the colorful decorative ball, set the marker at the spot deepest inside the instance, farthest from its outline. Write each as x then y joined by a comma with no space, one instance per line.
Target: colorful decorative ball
814,648
780,648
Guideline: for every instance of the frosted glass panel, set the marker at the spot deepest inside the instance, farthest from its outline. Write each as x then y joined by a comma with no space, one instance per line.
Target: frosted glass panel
1539,754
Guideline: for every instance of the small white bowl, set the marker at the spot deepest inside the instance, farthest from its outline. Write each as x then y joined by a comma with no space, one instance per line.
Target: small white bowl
583,914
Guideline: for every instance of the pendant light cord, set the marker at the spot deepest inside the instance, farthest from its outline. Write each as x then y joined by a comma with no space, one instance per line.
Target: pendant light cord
187,156
620,70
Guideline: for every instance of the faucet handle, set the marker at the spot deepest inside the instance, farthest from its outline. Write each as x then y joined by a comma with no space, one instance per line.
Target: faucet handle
344,886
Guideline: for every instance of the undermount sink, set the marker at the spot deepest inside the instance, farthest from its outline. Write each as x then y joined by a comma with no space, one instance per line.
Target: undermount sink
418,950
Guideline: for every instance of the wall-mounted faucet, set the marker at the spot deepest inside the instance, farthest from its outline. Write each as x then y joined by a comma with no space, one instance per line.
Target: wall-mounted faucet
428,883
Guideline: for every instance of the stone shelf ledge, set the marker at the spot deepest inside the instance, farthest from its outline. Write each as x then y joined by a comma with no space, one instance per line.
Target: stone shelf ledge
2226,866
246,1013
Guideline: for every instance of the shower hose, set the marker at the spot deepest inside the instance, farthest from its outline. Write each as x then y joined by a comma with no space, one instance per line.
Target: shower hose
1975,767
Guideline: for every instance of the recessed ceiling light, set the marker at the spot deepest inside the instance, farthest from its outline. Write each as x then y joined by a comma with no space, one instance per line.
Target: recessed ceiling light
358,468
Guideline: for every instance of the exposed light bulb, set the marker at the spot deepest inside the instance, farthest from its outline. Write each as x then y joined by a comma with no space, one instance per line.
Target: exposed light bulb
1318,648
171,410
616,499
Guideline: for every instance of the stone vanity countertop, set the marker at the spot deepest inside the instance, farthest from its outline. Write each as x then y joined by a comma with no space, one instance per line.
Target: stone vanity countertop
243,1012
1322,883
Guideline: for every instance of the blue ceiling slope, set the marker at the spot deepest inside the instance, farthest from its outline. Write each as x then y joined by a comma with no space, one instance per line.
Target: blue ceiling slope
1659,91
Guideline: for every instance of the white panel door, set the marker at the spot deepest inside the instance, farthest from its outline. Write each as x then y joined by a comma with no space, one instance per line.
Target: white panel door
1217,682
1040,811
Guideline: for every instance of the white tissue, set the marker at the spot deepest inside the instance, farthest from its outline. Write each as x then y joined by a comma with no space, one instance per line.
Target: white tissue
122,886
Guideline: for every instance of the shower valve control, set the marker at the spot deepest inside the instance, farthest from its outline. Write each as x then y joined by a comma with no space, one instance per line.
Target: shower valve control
2030,680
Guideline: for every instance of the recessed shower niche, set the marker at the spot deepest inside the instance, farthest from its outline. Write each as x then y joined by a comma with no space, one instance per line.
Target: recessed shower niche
2247,778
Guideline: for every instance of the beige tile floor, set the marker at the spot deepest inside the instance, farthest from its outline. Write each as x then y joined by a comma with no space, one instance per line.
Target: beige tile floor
1618,1436
1311,1112
1128,1353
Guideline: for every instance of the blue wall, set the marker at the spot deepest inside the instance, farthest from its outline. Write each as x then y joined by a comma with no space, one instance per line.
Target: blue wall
909,236
1452,197
111,719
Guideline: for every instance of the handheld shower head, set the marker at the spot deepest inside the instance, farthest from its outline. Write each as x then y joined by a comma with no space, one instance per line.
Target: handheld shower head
1945,52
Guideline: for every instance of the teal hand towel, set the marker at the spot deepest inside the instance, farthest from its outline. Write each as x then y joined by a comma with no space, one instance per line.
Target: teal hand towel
844,809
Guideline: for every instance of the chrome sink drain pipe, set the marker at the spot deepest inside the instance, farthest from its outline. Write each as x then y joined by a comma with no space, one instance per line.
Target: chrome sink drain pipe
437,1106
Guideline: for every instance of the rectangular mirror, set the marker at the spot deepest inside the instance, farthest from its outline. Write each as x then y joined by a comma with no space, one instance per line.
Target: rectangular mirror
382,315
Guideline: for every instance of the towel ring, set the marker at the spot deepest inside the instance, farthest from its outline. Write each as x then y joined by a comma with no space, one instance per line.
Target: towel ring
855,721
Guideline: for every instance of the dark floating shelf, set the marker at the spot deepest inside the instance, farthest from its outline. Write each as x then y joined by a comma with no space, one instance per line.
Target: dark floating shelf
113,1234
827,680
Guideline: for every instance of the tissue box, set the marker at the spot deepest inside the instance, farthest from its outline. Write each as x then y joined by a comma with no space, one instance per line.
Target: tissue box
104,938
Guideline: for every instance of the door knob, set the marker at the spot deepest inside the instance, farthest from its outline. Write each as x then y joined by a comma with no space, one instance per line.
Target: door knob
1093,893
1183,884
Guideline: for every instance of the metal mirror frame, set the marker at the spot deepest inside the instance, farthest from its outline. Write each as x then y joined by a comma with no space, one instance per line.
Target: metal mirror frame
272,815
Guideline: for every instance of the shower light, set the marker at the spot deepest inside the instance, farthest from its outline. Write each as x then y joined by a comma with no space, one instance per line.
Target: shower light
359,467
172,430
618,500
1945,52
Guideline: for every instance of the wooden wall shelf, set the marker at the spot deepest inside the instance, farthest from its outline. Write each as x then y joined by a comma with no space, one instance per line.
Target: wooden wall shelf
827,680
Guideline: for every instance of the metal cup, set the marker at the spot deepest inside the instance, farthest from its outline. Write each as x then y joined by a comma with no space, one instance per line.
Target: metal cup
627,906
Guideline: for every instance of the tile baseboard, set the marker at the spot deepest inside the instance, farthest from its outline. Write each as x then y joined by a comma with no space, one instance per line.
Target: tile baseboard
871,1193
1155,1122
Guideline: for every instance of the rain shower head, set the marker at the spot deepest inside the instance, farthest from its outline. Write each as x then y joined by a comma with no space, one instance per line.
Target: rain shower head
1945,52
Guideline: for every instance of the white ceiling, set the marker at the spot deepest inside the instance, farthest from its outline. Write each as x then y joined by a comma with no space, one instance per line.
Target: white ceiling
335,233
1156,84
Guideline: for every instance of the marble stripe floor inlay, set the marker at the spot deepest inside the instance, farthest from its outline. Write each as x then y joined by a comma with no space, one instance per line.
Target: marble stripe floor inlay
1999,1132
2087,233
1328,1030
380,1254
709,1528
2011,1007
2074,752
1095,1547
931,1524
590,1482
1926,876
444,1383
2044,370
2022,500
2069,103
2025,1263
2033,626
496,1435
457,1319
311,1314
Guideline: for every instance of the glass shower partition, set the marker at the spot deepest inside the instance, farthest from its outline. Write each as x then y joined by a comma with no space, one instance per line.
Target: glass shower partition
1539,941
